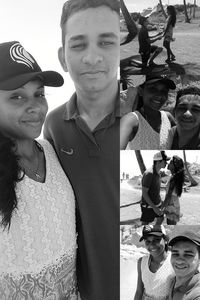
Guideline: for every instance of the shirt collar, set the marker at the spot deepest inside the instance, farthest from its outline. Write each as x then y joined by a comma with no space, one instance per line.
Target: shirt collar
71,109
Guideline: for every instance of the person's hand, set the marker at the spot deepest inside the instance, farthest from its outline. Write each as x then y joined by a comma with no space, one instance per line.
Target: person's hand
158,211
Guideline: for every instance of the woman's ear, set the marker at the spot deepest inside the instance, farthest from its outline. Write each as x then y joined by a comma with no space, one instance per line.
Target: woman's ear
61,57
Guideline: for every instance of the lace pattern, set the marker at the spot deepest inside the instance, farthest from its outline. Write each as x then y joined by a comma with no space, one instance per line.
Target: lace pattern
147,138
38,250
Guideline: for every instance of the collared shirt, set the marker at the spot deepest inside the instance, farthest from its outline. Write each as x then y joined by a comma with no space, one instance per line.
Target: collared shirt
190,290
91,162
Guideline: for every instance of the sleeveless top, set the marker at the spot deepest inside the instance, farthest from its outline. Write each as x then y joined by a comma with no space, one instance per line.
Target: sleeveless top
169,33
147,138
156,285
38,253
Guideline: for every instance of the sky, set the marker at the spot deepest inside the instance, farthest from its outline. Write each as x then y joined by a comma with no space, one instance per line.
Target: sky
35,24
139,5
129,165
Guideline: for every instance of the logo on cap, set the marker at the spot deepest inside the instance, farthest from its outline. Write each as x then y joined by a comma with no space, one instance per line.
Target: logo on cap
21,56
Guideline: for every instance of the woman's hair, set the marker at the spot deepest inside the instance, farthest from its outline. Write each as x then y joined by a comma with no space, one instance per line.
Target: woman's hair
188,90
172,11
178,174
9,176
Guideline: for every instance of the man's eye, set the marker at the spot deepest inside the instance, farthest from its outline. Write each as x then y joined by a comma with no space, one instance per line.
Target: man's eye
107,43
40,95
16,97
78,46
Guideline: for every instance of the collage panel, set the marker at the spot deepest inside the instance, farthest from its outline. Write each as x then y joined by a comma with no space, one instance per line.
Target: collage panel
160,89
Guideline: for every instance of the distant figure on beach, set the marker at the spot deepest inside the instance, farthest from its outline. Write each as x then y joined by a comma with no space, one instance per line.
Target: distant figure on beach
168,32
186,134
155,272
171,204
145,41
185,260
148,126
151,203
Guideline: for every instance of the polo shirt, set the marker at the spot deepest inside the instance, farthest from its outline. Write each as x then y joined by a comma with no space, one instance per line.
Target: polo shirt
151,180
143,39
91,162
190,290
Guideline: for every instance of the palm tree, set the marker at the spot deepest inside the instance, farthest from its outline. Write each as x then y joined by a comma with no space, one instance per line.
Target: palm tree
194,7
140,161
187,20
162,8
192,180
130,23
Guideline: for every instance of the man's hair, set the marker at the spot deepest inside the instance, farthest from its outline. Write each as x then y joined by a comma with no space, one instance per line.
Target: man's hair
72,6
189,90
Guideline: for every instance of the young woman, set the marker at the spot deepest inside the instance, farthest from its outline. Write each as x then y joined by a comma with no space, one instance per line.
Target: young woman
155,272
168,32
37,207
148,127
186,135
171,204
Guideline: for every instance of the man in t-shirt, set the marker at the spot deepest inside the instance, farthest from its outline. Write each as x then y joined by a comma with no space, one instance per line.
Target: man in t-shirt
151,201
145,41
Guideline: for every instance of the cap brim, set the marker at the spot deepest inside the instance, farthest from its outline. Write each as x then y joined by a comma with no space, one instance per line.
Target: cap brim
151,233
182,238
48,78
169,83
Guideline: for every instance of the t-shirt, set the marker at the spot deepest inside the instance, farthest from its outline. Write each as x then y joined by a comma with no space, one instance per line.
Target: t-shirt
143,38
91,161
151,180
190,290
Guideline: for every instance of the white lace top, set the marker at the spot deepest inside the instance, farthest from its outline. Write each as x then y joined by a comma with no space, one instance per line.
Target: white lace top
147,138
156,284
37,254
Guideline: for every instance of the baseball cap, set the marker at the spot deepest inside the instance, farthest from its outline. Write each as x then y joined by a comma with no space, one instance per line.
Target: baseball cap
157,230
160,156
17,67
188,236
161,78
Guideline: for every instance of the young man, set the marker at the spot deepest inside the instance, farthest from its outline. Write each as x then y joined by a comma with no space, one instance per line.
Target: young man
151,201
85,134
145,41
185,259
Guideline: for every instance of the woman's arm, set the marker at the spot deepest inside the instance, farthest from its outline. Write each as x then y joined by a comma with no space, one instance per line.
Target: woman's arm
168,194
128,128
140,285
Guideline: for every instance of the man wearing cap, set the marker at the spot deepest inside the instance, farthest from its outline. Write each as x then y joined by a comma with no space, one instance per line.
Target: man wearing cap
145,41
185,260
154,269
85,134
147,127
151,201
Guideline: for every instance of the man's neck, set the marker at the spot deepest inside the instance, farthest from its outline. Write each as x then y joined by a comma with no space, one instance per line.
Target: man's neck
184,136
181,281
94,106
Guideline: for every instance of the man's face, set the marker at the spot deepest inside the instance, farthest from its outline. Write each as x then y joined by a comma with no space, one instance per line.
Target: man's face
91,53
187,112
155,95
155,245
184,258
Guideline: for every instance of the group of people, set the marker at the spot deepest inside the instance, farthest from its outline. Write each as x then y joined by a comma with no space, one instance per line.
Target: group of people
59,197
153,208
148,51
170,270
147,126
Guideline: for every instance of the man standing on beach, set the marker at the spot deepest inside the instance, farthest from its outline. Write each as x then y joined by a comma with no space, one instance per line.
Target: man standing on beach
151,201
85,135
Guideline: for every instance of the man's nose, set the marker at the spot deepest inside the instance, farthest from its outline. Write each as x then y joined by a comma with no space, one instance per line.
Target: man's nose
92,56
188,113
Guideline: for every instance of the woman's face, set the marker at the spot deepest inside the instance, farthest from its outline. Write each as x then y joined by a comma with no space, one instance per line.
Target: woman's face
155,245
23,111
155,95
185,258
187,112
